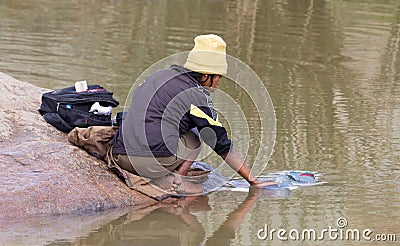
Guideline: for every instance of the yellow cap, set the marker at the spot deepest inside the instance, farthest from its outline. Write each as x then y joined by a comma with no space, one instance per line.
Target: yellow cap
208,55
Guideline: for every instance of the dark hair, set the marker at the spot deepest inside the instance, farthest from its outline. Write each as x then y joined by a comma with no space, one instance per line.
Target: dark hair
195,75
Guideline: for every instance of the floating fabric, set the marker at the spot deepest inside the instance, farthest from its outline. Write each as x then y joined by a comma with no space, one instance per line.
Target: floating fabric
302,177
288,180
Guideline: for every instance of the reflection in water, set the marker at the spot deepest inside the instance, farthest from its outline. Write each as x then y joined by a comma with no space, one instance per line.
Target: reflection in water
331,67
175,224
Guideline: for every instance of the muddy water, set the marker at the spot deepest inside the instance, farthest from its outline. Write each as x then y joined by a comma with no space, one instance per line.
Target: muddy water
332,70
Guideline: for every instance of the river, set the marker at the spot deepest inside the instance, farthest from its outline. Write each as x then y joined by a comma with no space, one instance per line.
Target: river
332,71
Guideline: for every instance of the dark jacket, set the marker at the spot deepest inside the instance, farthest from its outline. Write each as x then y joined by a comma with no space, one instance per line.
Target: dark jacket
168,104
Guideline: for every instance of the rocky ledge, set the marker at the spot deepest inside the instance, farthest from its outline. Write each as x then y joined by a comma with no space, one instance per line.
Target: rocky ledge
41,172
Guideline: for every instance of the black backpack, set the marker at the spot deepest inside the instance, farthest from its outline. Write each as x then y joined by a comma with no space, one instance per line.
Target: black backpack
66,109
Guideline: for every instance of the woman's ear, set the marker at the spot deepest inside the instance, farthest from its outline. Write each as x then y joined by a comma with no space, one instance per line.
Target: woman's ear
204,78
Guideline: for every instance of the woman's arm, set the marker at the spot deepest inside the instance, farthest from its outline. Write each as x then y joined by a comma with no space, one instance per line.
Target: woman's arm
236,162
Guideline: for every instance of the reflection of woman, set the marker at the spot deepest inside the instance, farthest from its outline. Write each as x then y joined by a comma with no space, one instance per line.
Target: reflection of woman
172,225
156,138
163,227
226,232
150,226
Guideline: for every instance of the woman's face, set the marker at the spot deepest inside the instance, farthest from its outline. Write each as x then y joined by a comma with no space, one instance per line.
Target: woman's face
212,82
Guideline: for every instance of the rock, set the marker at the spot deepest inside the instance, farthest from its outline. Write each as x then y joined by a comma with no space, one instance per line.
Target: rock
41,172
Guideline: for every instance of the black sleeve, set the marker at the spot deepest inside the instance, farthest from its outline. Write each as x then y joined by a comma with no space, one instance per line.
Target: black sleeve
211,131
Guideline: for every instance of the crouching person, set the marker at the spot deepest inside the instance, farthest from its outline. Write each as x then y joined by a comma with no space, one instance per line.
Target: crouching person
157,140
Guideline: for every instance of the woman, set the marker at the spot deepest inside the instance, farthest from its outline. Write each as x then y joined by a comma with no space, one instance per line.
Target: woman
157,139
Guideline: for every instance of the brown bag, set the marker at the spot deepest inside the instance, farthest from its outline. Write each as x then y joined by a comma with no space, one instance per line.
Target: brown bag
94,139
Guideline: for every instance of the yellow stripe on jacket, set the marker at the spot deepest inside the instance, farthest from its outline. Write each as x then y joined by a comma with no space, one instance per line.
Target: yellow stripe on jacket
195,111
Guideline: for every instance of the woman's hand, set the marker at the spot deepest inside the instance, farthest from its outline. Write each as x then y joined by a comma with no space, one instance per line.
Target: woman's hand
262,184
236,162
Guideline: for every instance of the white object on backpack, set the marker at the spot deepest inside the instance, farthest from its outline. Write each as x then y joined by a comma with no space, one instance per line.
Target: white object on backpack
100,110
81,86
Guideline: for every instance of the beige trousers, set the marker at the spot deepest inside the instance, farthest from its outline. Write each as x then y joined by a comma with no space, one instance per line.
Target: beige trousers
155,167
